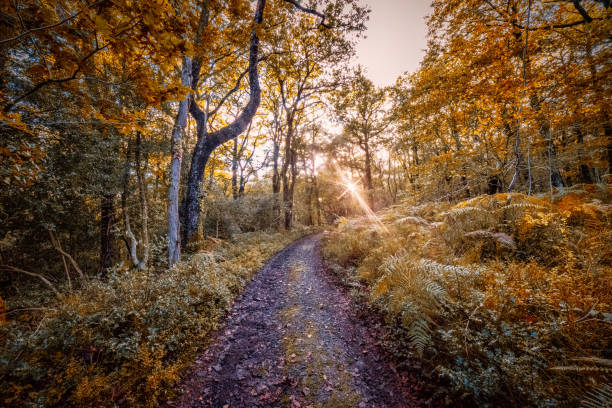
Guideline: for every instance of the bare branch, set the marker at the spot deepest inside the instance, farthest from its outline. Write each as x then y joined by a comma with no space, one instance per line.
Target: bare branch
582,11
36,275
585,20
310,11
59,249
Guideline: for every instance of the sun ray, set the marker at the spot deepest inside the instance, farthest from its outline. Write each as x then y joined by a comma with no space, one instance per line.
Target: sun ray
352,188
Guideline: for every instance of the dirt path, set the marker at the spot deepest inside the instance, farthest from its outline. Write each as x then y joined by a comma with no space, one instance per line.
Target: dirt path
292,340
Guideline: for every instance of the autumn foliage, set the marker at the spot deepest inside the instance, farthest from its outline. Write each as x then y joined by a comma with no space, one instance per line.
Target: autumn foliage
507,296
132,130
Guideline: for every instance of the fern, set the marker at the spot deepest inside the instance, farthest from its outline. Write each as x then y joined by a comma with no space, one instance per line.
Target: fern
415,294
438,269
413,220
417,322
598,397
500,237
576,368
602,361
458,212
419,335
606,363
521,206
435,291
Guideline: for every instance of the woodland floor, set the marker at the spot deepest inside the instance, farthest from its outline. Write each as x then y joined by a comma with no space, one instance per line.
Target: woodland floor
295,338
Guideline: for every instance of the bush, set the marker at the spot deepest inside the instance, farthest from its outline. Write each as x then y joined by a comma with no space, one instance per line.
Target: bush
124,340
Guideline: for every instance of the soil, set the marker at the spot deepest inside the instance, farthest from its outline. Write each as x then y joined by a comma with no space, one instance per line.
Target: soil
294,338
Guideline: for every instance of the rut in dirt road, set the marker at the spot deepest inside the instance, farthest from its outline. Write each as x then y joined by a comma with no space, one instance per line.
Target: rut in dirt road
290,341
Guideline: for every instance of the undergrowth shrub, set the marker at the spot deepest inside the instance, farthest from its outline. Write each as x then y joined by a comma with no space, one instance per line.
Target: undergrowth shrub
508,296
125,339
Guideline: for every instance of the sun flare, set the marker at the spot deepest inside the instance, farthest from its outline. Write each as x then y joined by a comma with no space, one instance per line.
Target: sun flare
352,188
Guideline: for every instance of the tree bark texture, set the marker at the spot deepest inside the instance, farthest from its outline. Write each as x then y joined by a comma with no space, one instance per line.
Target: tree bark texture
174,227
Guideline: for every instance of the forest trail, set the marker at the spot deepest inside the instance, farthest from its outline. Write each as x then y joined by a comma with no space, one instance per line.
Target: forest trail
292,340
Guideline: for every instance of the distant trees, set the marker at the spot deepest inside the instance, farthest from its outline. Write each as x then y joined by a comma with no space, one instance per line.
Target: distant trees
361,109
90,95
113,114
470,117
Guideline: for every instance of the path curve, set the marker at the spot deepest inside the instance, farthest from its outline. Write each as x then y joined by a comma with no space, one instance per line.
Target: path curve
292,340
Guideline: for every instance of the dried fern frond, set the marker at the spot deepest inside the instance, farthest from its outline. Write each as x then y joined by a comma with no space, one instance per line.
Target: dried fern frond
600,397
436,268
583,368
413,220
457,212
606,363
522,206
419,335
596,360
500,237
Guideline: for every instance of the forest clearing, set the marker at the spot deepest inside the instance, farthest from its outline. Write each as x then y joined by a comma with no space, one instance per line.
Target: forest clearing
315,203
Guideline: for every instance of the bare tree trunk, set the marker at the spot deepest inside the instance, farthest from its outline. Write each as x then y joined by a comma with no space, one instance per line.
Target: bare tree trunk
517,146
130,240
288,190
368,174
235,170
315,187
191,205
310,190
107,236
174,229
144,205
276,181
241,184
287,182
608,135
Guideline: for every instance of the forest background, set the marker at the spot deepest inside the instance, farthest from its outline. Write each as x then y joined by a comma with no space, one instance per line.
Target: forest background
154,155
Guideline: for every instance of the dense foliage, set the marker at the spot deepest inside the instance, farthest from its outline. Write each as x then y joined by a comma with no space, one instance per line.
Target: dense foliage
126,339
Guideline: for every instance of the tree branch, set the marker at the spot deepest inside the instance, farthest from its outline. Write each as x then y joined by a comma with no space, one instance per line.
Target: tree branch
33,30
36,275
59,249
54,81
586,19
582,11
297,5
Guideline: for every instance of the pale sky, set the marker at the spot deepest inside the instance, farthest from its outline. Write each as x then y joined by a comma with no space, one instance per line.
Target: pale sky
395,39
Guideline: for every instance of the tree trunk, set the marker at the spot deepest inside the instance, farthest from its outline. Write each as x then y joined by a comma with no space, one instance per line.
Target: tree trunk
608,136
241,184
310,219
191,205
315,187
107,236
494,185
288,190
174,230
144,205
368,174
276,181
287,163
584,172
235,170
208,142
130,240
